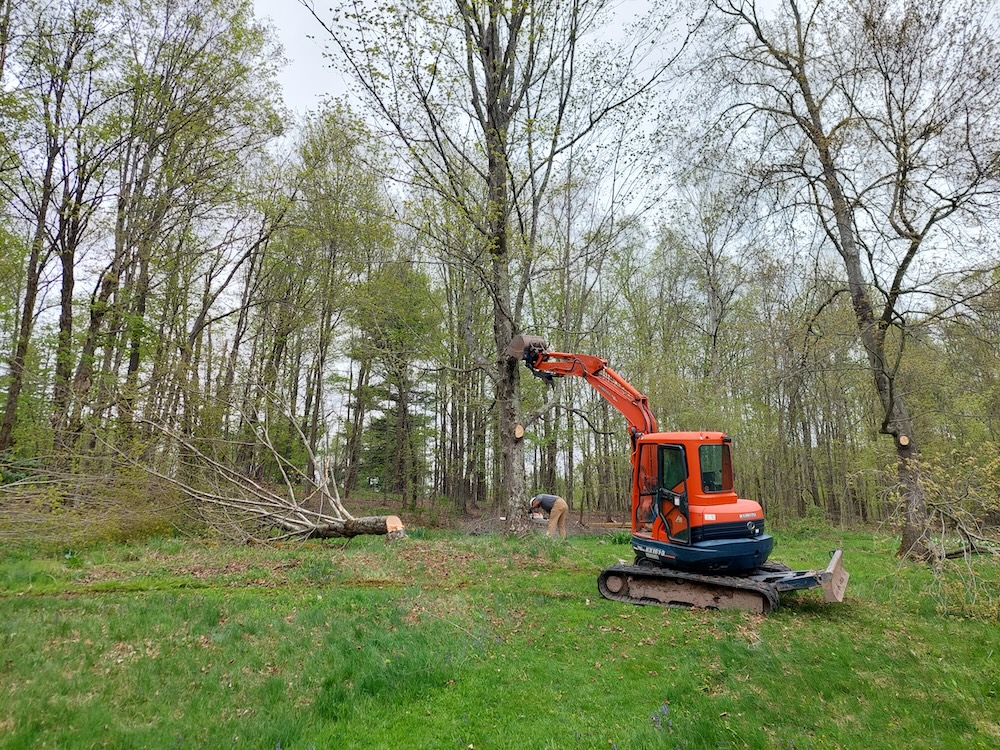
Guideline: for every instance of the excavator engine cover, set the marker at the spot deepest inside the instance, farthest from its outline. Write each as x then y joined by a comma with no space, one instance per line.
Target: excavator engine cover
520,345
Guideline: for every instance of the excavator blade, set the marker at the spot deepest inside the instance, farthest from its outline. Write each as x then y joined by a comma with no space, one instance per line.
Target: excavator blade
834,582
522,343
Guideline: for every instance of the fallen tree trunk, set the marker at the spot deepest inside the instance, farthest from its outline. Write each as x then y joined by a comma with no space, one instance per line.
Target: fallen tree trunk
390,526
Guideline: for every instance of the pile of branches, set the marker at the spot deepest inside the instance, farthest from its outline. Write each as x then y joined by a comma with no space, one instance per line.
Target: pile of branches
963,503
244,508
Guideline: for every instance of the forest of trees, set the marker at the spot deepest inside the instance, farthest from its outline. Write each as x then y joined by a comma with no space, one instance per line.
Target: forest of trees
776,221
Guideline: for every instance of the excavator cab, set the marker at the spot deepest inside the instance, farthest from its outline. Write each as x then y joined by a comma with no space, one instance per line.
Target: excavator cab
686,513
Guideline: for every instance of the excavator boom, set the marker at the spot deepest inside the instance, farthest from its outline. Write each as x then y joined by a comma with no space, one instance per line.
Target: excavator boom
621,394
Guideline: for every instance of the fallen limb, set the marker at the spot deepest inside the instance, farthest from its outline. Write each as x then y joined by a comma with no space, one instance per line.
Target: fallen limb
972,549
377,525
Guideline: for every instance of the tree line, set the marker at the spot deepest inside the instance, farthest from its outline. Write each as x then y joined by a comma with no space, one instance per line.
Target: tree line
773,220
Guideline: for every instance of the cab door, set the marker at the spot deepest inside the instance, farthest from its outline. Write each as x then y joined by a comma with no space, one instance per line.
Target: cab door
673,495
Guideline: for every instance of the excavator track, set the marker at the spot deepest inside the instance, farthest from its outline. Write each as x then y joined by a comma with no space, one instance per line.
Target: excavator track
641,584
755,591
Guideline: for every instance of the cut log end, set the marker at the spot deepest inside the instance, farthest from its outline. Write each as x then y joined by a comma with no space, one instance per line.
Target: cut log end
394,529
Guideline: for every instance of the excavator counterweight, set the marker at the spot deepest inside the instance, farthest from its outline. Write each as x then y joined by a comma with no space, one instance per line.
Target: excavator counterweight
696,542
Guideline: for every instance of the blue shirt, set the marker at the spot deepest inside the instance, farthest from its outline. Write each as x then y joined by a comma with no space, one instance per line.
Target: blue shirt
545,500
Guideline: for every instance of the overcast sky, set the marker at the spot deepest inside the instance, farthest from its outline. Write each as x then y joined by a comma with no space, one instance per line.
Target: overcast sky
308,76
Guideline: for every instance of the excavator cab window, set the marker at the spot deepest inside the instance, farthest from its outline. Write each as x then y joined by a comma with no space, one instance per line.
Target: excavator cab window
648,483
673,505
716,468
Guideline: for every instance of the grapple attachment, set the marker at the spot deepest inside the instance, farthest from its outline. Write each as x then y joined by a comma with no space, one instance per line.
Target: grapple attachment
523,345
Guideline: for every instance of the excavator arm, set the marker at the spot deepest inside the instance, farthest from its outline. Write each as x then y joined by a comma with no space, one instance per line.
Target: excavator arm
617,391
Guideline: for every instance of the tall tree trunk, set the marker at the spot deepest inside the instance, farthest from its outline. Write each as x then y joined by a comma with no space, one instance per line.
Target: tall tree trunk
6,7
355,427
798,105
570,492
64,346
74,215
511,480
896,419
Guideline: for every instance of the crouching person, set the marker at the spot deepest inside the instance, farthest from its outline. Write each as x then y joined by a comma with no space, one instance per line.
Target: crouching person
557,509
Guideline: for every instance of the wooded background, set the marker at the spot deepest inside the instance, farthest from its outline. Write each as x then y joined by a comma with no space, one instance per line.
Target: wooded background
781,225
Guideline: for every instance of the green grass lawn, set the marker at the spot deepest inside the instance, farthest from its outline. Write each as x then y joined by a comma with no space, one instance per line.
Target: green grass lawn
448,641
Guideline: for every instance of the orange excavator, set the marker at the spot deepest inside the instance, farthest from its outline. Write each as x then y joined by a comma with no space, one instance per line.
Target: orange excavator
696,542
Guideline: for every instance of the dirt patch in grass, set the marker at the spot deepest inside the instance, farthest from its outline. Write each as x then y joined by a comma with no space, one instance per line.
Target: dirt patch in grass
233,567
199,570
749,630
440,563
448,609
443,562
101,575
